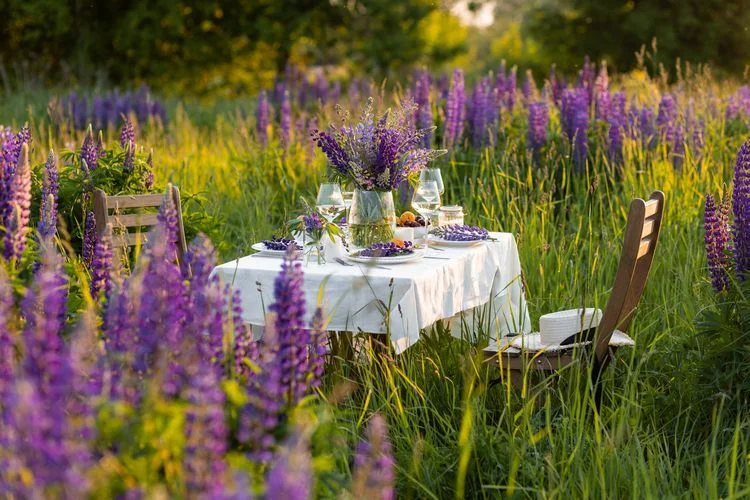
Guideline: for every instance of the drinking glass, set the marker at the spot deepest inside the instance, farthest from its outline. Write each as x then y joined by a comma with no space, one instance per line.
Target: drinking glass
426,201
330,201
433,174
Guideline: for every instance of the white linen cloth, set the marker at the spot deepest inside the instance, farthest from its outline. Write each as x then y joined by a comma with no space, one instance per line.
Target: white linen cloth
415,294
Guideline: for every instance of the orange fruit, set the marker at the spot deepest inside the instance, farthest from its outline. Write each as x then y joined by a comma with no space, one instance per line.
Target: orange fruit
407,217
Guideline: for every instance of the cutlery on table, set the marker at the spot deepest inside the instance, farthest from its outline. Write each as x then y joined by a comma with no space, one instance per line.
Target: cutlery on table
344,263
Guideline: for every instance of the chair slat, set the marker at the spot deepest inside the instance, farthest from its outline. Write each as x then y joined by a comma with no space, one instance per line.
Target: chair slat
139,201
644,247
652,206
134,220
648,227
130,239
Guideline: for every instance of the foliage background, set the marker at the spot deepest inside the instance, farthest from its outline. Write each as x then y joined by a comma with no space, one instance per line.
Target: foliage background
228,47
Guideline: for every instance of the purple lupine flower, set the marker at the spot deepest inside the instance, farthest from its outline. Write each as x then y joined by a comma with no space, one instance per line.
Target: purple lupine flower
290,477
261,118
454,110
90,150
586,77
678,147
717,240
293,337
127,133
373,463
128,163
48,207
89,239
58,453
205,435
101,266
313,222
666,118
538,122
617,122
510,89
204,314
318,348
149,175
646,128
741,211
20,201
161,313
167,217
558,85
424,111
337,157
481,112
575,118
601,94
286,121
7,352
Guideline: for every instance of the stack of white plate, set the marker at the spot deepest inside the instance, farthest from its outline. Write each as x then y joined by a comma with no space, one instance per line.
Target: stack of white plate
558,326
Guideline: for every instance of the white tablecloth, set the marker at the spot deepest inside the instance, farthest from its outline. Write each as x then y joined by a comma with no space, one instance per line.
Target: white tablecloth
484,278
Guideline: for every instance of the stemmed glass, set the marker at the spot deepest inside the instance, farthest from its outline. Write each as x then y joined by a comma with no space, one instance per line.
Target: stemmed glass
426,200
433,174
330,201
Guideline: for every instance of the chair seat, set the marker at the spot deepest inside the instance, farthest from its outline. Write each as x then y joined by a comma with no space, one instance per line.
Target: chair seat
552,358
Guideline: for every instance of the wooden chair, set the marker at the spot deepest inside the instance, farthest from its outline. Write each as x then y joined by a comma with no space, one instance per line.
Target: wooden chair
641,236
128,213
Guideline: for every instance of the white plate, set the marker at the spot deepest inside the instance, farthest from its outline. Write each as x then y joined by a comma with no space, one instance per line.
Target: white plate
399,259
260,247
448,243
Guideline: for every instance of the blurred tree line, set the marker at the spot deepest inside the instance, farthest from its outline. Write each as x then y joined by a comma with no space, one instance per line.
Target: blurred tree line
235,46
226,45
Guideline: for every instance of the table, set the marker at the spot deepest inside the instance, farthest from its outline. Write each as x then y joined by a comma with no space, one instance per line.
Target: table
465,285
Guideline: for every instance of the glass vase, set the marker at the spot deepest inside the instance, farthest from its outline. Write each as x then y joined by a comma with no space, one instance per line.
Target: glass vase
372,218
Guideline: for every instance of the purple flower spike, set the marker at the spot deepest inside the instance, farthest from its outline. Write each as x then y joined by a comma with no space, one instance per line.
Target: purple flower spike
373,464
286,121
575,122
293,337
89,239
7,352
48,208
741,211
290,477
424,111
90,150
717,240
127,133
319,343
538,123
149,176
17,224
101,266
454,110
167,217
205,435
666,117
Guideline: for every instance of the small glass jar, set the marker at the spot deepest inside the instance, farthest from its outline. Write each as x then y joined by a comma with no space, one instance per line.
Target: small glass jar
451,214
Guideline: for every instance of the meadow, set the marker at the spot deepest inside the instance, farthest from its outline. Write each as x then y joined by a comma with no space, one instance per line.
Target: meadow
673,422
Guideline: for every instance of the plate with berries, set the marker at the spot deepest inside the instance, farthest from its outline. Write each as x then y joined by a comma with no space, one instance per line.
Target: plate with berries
393,252
275,246
458,235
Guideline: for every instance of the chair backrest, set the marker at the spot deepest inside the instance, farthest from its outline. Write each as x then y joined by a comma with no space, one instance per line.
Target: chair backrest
641,235
127,214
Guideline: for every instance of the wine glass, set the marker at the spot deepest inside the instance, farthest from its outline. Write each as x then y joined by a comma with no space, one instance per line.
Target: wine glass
330,201
433,174
426,200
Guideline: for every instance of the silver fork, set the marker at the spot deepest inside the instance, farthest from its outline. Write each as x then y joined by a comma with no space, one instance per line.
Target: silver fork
345,263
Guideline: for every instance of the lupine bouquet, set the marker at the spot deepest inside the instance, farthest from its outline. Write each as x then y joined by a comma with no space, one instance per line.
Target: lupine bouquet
377,154
310,229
